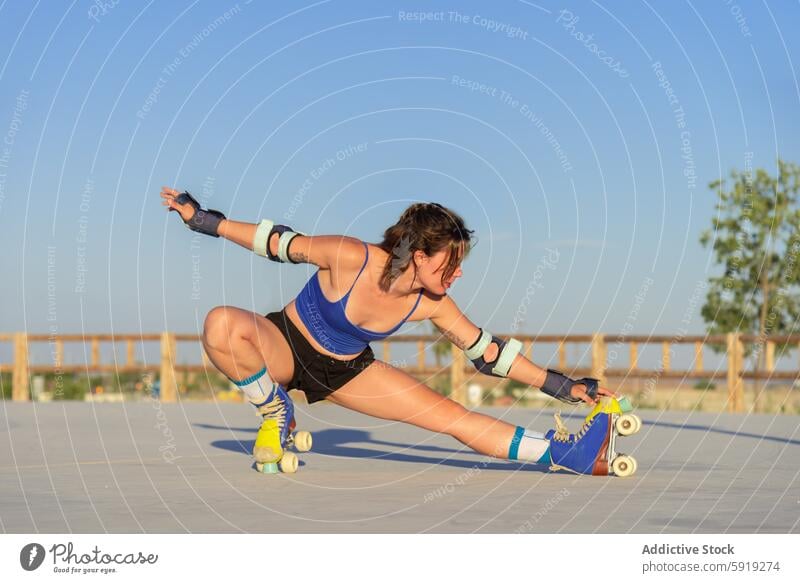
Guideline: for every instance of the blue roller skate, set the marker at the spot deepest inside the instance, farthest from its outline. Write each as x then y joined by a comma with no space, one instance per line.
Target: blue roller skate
276,434
590,451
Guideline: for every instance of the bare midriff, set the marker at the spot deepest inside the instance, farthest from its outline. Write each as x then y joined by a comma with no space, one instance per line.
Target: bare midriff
291,311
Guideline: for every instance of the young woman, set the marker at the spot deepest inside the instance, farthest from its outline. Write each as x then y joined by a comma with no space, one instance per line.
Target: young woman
319,342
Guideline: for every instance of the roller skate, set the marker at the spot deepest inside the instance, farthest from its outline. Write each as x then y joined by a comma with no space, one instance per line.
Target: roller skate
277,433
593,449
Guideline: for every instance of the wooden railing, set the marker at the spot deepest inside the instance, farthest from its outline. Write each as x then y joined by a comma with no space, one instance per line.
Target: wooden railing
167,367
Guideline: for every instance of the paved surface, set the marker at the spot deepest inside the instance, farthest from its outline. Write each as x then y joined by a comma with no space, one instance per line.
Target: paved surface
144,467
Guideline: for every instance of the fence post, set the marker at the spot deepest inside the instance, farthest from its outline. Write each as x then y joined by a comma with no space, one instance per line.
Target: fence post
599,357
731,355
59,353
167,376
20,376
129,354
739,387
457,376
562,356
770,356
698,356
735,385
95,353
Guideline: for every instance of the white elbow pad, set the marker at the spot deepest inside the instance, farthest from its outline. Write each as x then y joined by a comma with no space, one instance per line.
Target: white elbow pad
500,366
264,231
262,236
507,356
283,245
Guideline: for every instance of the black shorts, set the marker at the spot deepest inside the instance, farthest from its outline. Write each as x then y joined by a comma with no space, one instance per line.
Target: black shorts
316,374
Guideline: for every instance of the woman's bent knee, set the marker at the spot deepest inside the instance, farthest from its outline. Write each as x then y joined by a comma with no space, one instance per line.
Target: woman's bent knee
218,328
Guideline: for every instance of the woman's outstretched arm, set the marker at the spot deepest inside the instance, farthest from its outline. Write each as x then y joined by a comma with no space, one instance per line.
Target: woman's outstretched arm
457,328
320,250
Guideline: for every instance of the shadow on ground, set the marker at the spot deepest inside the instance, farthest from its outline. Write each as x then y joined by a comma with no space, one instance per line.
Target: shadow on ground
358,436
350,443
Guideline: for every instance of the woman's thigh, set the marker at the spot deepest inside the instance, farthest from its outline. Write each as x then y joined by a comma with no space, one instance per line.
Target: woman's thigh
238,324
384,391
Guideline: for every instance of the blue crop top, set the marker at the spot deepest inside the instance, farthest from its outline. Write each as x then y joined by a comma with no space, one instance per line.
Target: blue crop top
327,322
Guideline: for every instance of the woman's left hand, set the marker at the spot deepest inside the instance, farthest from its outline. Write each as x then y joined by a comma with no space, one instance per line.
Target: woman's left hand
579,392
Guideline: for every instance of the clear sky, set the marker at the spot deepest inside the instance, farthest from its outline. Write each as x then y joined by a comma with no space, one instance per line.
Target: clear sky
577,139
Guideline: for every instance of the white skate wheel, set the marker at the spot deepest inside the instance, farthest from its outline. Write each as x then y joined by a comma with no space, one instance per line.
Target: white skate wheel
635,465
626,425
289,463
623,466
302,441
638,423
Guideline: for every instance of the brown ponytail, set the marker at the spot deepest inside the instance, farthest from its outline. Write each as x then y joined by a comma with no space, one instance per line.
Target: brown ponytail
428,227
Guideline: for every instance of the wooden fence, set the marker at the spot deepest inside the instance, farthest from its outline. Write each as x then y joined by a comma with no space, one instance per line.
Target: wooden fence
167,367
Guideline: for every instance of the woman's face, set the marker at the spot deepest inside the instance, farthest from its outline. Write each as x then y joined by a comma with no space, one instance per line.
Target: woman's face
431,269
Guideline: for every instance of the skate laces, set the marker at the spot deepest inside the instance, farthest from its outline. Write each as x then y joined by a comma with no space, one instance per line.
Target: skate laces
584,428
562,433
274,409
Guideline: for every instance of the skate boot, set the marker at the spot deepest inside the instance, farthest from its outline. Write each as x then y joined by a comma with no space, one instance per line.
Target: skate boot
590,451
276,434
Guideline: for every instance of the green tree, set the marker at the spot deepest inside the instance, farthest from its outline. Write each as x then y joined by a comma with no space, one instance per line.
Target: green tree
755,237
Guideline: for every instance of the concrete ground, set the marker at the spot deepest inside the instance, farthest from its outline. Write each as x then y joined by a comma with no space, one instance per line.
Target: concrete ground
148,467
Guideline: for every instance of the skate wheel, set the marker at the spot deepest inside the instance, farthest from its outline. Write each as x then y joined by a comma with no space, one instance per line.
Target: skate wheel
302,441
623,466
269,468
289,463
635,465
627,424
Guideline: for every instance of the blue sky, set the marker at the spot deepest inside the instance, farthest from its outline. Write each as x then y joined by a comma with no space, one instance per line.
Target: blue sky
582,162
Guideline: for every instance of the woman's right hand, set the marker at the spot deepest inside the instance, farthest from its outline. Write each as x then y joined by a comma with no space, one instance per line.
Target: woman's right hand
168,195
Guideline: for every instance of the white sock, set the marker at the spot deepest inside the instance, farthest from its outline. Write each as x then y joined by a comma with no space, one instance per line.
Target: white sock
529,446
257,388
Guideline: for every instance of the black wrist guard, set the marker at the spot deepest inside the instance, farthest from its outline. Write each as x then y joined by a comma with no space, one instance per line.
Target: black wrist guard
202,221
559,386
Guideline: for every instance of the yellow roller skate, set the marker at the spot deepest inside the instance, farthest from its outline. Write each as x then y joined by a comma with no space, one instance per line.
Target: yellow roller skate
276,434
